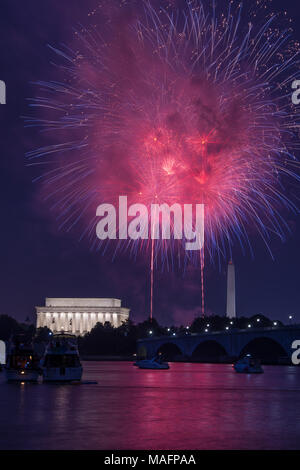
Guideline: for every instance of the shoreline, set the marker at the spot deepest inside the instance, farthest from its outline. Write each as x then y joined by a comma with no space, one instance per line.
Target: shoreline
96,358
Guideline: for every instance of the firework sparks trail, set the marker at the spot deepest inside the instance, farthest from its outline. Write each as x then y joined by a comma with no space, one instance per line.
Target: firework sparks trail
202,282
173,107
151,281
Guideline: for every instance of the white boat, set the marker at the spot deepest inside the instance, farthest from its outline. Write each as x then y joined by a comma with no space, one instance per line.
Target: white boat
61,362
22,363
156,363
248,365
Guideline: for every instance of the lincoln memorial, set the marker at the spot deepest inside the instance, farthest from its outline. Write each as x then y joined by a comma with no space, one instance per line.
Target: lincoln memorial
79,316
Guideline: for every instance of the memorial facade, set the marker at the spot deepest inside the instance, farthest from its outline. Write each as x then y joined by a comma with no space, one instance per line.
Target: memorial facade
79,316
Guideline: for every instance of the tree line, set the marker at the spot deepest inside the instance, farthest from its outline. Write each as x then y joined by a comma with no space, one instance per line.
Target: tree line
104,339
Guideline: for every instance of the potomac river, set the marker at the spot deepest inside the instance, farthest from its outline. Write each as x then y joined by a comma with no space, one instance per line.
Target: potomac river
190,406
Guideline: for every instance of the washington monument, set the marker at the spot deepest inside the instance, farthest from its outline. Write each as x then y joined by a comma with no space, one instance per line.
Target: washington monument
230,310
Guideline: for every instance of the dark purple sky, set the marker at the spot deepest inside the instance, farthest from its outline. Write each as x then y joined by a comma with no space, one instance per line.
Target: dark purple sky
38,261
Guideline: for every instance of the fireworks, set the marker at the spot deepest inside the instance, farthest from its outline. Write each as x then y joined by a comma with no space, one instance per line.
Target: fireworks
172,107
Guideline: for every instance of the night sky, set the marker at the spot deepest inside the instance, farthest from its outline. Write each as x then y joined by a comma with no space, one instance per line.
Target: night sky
38,260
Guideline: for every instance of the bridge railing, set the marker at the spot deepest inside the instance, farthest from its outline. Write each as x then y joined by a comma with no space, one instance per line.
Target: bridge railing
222,332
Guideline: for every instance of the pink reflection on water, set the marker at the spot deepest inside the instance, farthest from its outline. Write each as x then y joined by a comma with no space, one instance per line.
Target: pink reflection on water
190,406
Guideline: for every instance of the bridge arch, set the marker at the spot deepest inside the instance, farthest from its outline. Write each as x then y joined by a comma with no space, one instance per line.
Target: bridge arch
170,350
266,349
209,350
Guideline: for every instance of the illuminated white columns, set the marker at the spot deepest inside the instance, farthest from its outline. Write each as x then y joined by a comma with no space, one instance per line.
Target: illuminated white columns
89,321
100,318
93,320
56,322
73,323
78,315
67,327
85,322
77,322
